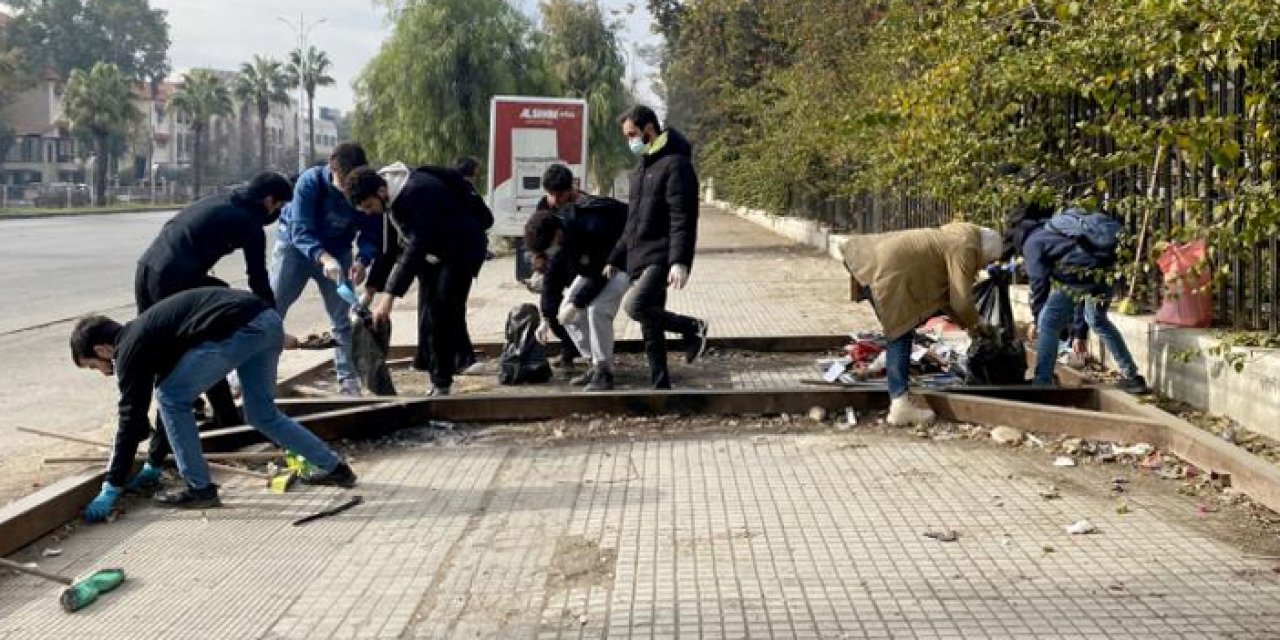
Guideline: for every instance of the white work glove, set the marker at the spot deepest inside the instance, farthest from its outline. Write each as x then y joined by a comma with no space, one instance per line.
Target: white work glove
543,333
536,282
332,268
610,271
569,314
679,276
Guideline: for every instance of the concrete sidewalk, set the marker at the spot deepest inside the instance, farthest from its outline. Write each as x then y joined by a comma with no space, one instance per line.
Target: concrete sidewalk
736,529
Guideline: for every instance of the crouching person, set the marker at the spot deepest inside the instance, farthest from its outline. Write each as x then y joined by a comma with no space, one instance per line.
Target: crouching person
179,348
908,277
573,235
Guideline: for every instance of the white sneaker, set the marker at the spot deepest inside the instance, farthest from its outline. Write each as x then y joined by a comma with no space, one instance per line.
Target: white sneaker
902,412
349,388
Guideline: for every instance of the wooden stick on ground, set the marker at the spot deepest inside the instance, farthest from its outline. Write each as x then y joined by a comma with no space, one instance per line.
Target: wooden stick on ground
248,456
212,465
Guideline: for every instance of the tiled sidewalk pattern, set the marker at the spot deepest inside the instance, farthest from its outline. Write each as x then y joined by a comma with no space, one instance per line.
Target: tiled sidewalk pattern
774,536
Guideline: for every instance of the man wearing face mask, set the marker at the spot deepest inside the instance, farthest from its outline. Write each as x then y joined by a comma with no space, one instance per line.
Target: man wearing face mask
180,258
316,234
910,276
656,249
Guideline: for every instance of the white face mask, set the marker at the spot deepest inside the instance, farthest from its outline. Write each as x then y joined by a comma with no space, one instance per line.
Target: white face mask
638,146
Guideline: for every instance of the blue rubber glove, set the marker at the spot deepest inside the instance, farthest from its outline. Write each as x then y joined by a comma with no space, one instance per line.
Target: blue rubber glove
101,507
148,477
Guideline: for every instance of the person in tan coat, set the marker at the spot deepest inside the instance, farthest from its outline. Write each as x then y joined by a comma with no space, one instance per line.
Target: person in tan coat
910,276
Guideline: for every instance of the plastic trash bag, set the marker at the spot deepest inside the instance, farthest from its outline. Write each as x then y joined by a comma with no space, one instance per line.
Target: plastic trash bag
1188,300
524,360
369,347
996,356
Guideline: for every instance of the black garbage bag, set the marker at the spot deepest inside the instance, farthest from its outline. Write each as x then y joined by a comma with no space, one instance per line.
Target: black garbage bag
369,347
996,356
524,360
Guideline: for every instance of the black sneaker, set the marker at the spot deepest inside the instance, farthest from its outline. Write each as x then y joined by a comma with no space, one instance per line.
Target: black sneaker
696,343
1136,385
584,379
603,381
341,476
191,498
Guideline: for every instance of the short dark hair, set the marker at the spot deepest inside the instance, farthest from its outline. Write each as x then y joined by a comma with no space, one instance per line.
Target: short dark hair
269,184
468,166
363,183
557,179
641,116
91,331
348,156
540,230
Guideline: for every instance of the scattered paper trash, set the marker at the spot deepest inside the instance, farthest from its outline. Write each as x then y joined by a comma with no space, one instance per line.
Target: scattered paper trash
1006,435
946,535
51,552
818,414
1081,527
1064,461
850,419
1050,493
1140,450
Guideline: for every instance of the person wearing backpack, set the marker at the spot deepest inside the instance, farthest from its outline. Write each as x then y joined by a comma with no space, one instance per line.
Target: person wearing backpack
1067,259
315,237
438,222
572,234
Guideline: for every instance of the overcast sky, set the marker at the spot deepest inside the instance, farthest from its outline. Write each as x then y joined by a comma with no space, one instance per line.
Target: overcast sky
225,33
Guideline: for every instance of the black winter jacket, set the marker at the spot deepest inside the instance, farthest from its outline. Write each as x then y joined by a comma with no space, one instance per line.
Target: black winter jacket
592,227
437,213
662,226
192,242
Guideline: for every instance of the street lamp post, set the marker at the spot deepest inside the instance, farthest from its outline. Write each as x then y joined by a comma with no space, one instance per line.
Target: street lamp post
304,31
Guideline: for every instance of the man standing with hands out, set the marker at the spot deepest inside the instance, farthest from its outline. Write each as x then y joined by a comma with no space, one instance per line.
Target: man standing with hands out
316,234
660,238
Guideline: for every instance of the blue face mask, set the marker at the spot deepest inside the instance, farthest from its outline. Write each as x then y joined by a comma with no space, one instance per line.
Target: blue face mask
638,146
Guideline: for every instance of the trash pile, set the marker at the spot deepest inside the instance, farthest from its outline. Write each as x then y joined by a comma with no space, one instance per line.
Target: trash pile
944,355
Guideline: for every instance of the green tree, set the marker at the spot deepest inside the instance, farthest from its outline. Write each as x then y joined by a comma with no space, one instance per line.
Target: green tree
99,106
582,50
309,69
75,34
425,96
201,98
262,83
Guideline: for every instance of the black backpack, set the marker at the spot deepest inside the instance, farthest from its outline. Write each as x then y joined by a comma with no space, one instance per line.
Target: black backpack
524,360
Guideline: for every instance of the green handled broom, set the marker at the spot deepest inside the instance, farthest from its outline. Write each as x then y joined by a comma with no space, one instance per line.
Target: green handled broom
77,595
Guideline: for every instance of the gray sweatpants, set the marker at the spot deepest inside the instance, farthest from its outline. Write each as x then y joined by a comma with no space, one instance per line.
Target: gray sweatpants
592,332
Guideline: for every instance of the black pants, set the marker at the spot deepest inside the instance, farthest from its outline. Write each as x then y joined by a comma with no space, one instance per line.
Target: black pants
150,287
423,358
647,304
442,316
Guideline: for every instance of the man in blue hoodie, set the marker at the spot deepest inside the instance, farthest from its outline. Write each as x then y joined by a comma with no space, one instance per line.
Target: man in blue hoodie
316,234
1064,291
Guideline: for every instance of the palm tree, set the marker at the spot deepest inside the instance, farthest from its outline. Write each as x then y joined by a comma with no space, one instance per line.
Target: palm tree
310,69
262,83
99,106
201,97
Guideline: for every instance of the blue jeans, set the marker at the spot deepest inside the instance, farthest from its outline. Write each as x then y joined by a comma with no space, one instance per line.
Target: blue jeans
1057,314
897,357
253,352
290,272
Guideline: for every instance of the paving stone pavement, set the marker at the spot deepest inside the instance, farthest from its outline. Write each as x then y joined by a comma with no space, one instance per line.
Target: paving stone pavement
811,535
763,535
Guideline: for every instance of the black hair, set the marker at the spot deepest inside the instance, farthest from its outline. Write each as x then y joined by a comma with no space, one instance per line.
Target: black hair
91,331
347,156
269,184
468,166
557,179
540,230
363,183
641,116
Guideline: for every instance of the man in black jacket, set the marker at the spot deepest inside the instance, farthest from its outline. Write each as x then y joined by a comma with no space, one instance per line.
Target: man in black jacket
180,258
439,222
572,234
657,247
178,348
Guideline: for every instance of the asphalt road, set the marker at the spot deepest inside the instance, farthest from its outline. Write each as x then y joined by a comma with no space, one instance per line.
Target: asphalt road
51,272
